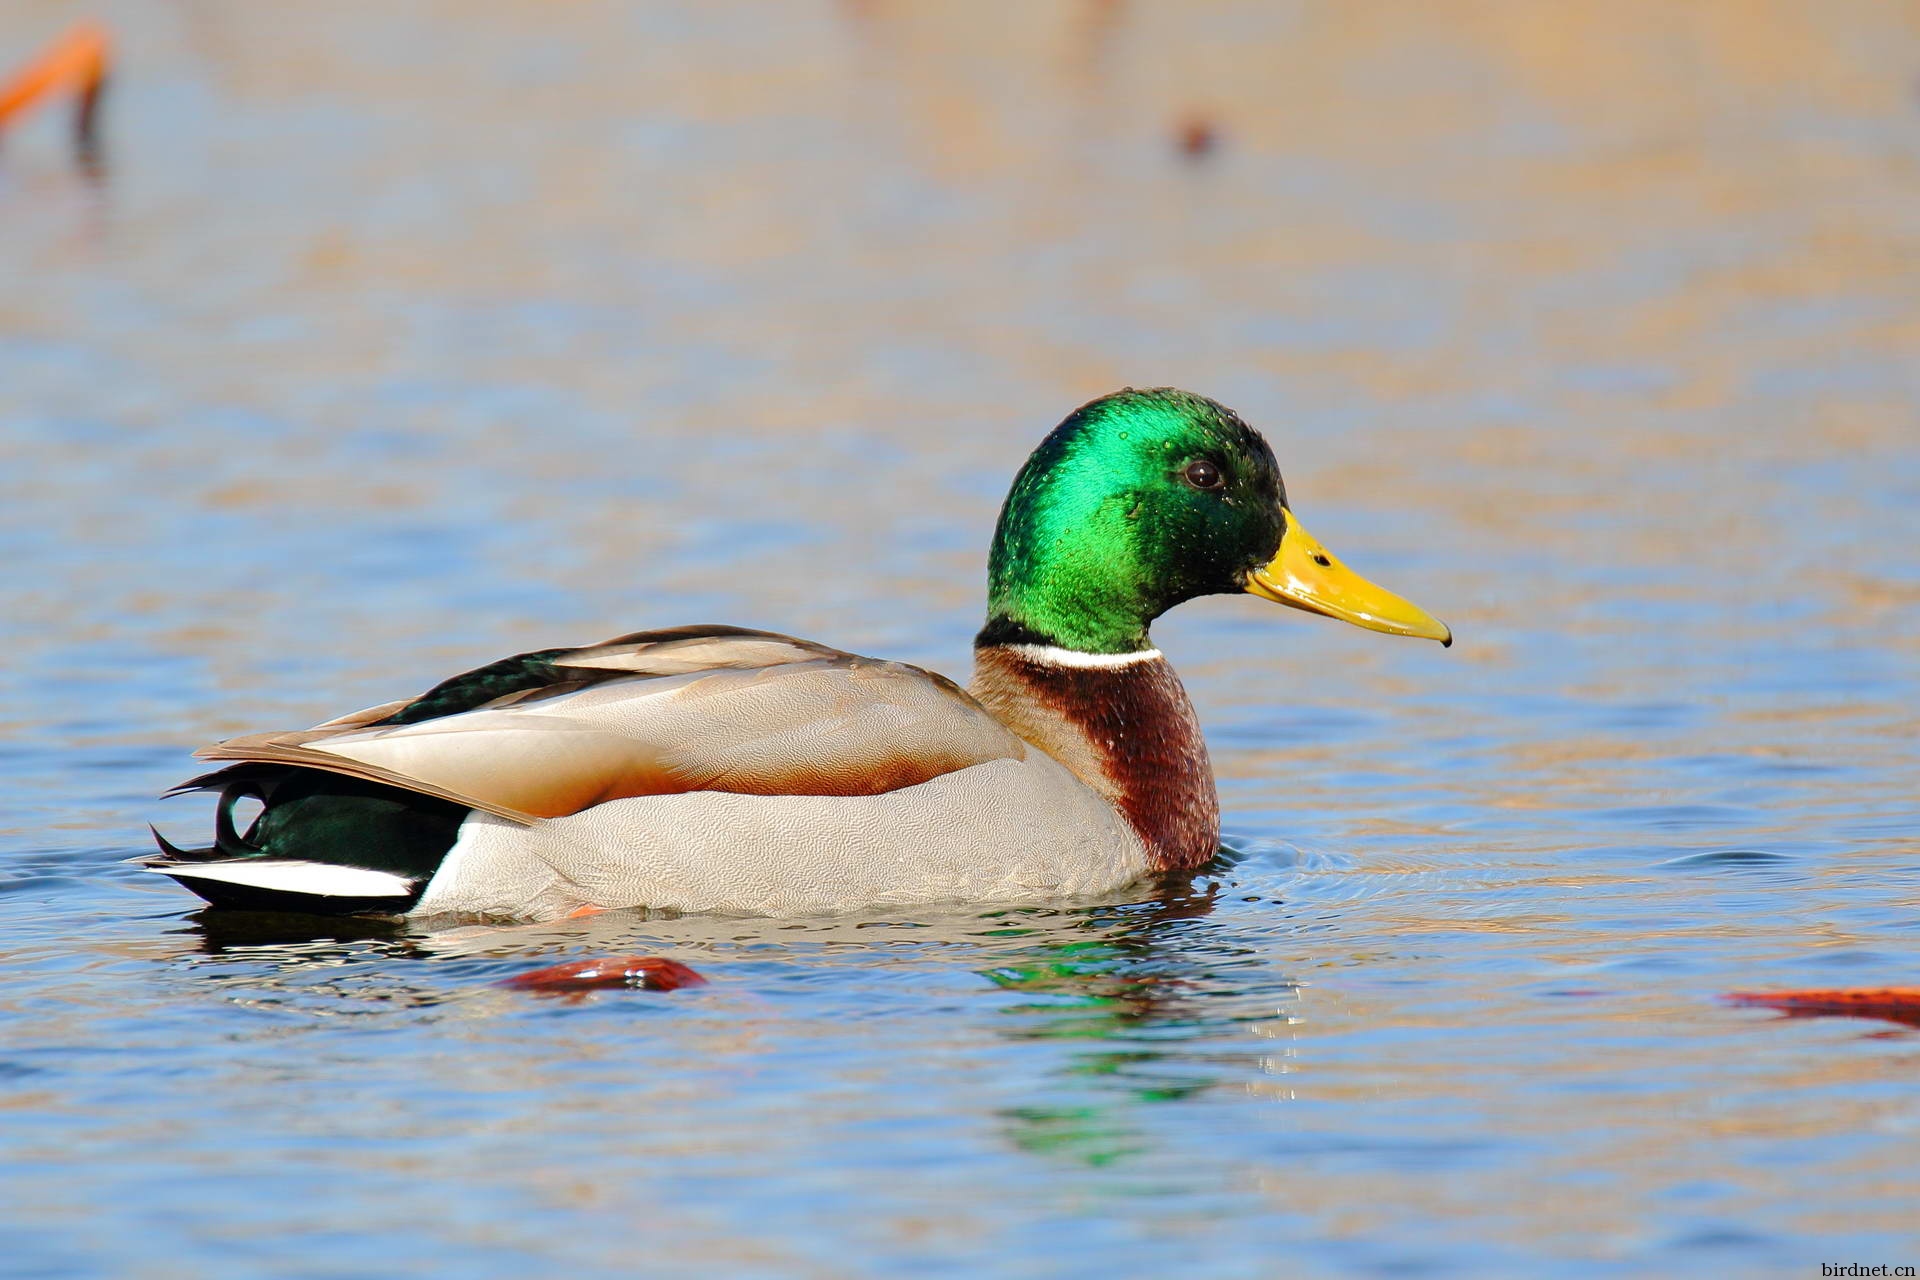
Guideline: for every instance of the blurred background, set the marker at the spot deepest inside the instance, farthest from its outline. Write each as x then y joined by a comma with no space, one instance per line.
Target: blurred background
378,341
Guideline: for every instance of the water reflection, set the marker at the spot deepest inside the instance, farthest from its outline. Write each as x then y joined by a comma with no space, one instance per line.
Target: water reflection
1136,992
255,933
1146,1000
308,967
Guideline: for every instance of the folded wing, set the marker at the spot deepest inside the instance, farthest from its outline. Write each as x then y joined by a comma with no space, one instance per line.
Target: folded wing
551,733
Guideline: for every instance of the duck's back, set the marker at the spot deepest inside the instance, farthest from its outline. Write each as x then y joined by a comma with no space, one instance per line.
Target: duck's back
703,768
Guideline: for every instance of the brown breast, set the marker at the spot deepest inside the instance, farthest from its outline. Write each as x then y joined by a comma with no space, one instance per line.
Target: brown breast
1127,730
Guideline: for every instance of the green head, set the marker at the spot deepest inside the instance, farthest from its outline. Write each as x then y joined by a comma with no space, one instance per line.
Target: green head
1138,501
1143,499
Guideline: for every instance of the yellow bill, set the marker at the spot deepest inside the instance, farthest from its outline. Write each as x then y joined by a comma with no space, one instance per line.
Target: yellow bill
1304,574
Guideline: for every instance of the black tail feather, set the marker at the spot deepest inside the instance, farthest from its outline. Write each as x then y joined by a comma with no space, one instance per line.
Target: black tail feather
234,783
225,838
222,778
171,852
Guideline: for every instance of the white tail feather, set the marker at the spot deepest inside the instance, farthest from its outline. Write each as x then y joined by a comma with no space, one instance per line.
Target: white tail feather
288,876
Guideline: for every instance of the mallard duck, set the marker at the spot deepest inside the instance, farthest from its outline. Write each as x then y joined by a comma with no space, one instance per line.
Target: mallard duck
716,769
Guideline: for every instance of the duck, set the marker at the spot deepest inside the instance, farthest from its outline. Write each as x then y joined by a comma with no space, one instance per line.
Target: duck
717,769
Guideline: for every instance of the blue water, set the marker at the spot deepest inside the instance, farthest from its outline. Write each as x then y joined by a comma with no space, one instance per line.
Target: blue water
395,341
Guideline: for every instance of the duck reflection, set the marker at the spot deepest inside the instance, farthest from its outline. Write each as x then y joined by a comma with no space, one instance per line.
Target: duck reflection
1143,995
256,933
1147,1003
321,967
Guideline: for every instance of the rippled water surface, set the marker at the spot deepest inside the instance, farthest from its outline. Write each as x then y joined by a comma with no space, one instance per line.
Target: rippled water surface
399,337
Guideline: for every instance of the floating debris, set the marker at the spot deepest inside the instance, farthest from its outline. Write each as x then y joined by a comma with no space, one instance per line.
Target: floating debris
645,973
1889,1004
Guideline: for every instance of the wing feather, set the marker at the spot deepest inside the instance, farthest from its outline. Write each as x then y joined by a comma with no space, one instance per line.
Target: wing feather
658,713
259,749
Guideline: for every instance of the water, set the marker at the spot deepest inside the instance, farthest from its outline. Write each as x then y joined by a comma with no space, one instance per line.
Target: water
399,338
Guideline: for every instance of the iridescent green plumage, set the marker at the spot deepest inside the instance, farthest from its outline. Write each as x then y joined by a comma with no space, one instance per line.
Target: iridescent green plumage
1101,533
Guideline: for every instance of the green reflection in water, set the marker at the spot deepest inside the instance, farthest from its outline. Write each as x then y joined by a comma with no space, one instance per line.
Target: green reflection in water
1138,993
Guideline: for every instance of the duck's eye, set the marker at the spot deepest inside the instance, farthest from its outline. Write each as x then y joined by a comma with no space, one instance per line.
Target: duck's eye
1202,474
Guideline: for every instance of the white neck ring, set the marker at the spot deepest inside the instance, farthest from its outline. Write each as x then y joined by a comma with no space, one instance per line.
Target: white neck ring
1054,656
